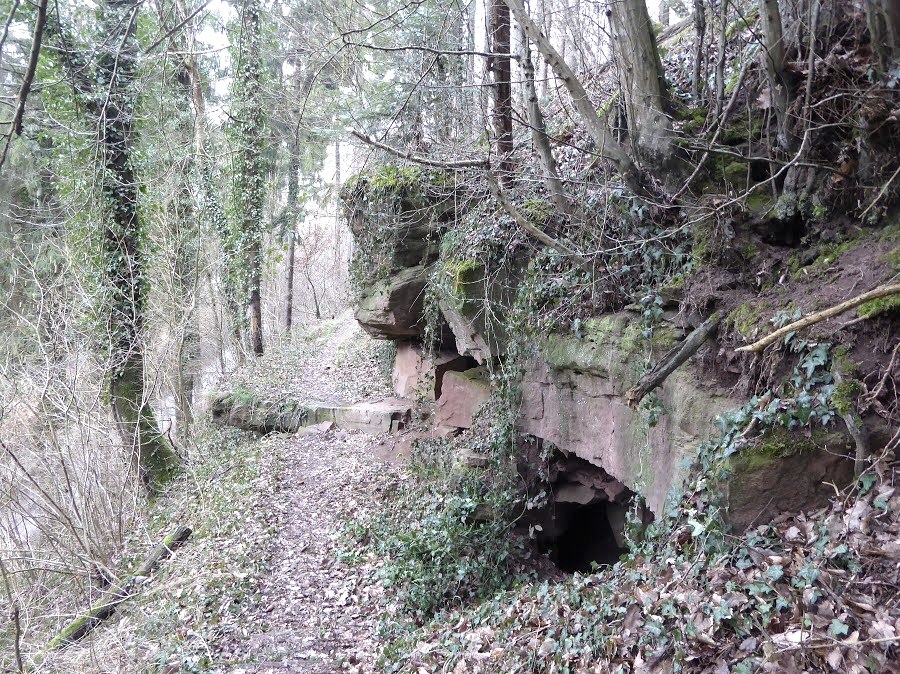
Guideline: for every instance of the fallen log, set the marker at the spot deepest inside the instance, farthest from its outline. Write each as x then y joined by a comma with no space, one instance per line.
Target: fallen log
106,606
819,316
672,360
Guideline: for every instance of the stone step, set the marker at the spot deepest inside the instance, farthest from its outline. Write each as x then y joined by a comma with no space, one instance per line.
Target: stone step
242,410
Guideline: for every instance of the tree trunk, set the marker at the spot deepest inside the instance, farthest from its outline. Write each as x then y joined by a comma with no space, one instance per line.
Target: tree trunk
607,147
502,71
780,89
289,281
643,84
699,52
720,57
315,295
664,13
249,174
539,135
883,18
122,247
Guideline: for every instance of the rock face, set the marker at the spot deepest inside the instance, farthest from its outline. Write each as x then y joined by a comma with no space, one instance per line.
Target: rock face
461,396
573,396
469,302
392,309
574,387
418,375
786,472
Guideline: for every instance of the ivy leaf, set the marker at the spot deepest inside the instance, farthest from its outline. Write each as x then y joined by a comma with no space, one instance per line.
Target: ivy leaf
838,628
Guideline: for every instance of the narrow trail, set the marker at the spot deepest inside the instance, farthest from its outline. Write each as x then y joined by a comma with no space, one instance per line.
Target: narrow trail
315,614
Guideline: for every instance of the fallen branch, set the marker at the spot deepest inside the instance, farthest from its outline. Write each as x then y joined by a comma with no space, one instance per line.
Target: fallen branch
672,360
523,222
419,159
819,316
106,606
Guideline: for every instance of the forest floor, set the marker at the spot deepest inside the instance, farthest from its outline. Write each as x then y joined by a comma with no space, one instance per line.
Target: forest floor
260,585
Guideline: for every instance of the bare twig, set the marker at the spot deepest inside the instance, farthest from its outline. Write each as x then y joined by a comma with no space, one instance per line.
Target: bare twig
180,25
819,316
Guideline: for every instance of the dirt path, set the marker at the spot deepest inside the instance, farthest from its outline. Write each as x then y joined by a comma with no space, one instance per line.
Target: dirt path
314,614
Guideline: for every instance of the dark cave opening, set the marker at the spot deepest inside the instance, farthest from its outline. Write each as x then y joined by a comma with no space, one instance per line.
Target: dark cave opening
586,537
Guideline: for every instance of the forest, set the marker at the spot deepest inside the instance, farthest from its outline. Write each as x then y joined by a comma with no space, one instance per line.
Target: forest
449,336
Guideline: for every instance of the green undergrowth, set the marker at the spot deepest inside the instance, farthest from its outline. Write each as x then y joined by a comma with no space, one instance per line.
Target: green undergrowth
196,598
444,532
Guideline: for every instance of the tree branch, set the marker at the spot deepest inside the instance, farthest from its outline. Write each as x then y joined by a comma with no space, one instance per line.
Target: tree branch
672,360
819,316
522,222
25,89
419,159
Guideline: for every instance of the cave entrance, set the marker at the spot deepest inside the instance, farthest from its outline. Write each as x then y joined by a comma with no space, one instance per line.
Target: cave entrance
582,520
587,535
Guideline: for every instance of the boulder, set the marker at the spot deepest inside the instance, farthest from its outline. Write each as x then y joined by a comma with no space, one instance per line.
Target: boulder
461,396
471,303
252,413
787,471
420,375
392,309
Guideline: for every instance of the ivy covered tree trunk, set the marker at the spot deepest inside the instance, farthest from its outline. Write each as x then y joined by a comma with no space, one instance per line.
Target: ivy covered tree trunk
291,225
244,246
122,248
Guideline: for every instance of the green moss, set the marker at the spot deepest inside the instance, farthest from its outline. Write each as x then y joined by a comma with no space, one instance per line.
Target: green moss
842,363
775,444
464,274
760,202
394,177
845,395
694,119
741,24
607,105
702,240
892,257
882,305
742,131
747,317
537,211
